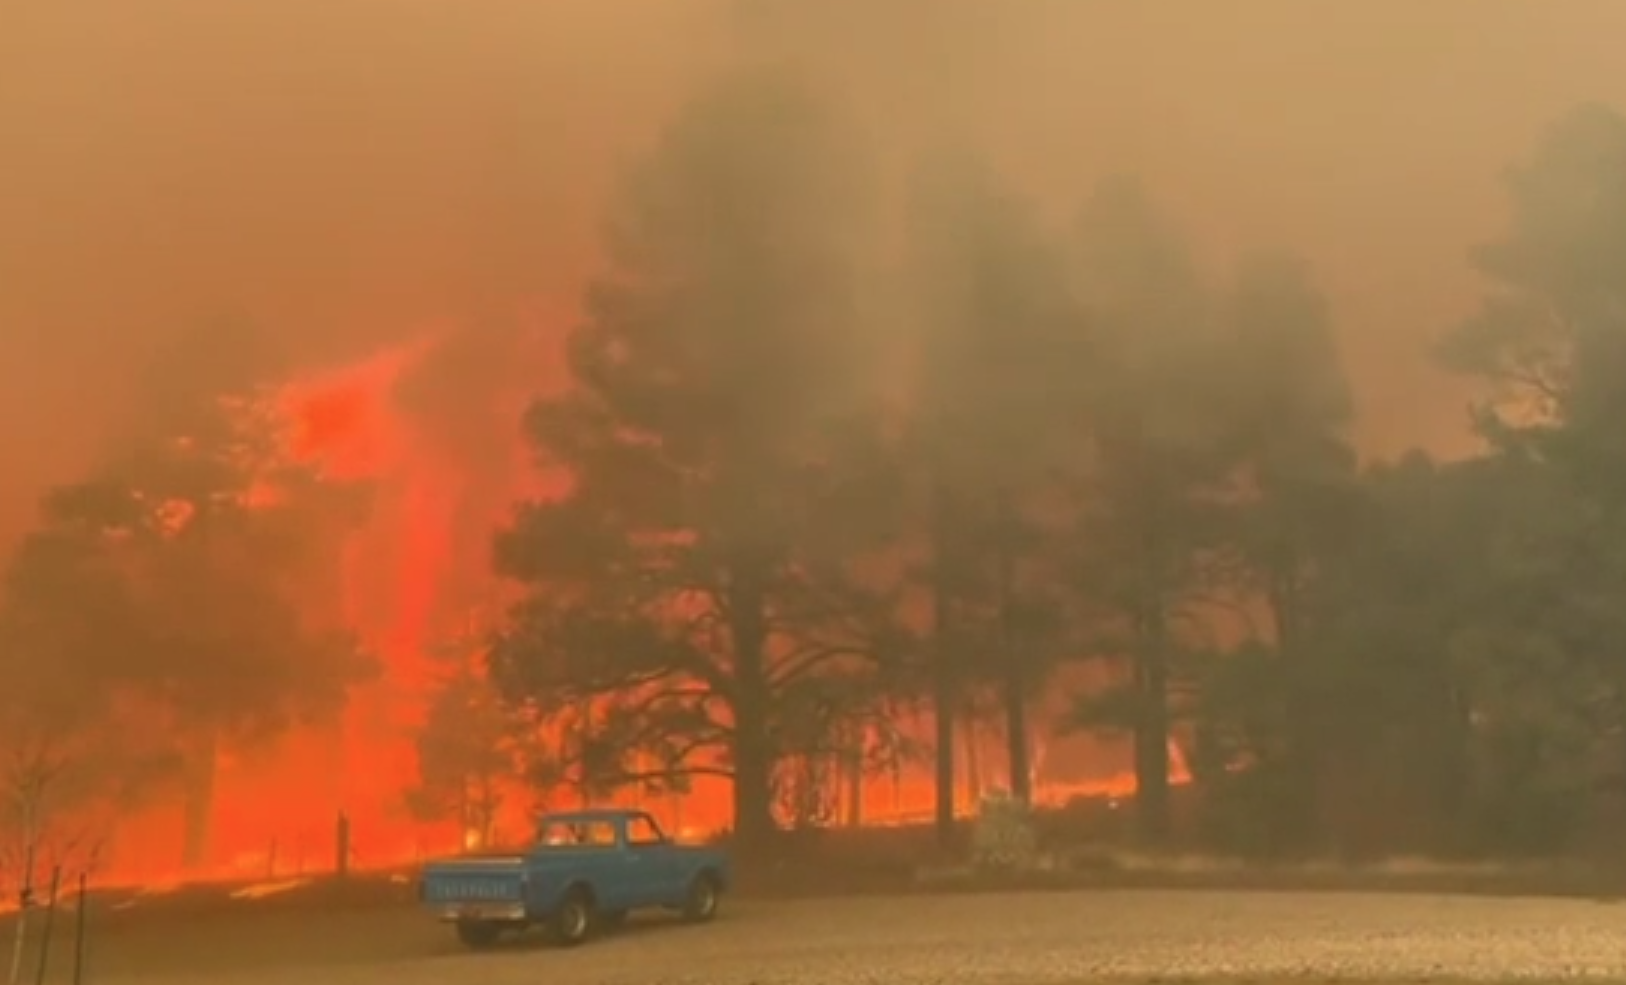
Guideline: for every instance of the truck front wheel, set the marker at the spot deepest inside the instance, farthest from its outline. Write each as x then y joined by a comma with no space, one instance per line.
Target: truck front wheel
572,923
478,934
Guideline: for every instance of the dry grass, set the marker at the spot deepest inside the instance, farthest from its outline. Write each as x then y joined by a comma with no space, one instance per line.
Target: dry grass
908,860
1128,860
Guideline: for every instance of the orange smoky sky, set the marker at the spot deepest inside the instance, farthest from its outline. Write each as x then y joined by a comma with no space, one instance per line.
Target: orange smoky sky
343,172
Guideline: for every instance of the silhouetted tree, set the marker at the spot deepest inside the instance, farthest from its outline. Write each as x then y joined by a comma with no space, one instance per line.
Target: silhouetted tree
470,752
1288,409
1095,453
169,581
69,761
690,586
1151,469
998,349
1550,340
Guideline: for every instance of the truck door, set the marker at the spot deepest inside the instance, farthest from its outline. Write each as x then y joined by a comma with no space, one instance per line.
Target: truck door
604,860
654,865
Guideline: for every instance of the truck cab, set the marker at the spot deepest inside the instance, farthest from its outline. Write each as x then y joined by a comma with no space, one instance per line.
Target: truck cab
584,871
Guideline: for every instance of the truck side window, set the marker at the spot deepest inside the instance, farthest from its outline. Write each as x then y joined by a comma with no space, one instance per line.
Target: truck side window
642,831
598,834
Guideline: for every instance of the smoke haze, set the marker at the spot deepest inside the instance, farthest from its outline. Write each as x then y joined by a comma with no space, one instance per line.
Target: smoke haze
343,173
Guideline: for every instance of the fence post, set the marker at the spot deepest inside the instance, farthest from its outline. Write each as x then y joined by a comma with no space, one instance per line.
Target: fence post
23,903
79,931
341,847
25,894
50,922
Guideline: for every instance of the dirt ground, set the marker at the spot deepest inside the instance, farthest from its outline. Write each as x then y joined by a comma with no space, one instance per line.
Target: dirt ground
997,938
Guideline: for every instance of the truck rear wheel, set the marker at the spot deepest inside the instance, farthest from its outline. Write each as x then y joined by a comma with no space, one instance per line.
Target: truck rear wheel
478,934
701,903
573,922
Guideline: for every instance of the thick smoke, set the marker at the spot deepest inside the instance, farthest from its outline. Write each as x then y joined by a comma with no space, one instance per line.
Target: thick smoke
344,173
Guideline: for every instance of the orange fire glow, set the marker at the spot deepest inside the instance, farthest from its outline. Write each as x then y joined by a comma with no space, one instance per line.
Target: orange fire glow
409,574
276,810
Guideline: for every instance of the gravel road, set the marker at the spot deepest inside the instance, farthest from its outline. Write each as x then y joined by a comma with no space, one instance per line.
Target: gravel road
991,938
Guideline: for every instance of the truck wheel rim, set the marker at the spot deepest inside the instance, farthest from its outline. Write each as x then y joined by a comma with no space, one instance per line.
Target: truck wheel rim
705,899
575,920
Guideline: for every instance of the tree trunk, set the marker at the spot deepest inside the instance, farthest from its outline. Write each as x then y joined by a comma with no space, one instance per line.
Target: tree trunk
1016,735
897,788
855,782
1015,684
945,683
1307,809
944,698
753,759
973,761
1157,576
488,809
584,731
1152,728
199,803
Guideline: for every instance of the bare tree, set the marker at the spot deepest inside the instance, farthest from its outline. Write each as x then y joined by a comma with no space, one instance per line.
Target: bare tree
55,797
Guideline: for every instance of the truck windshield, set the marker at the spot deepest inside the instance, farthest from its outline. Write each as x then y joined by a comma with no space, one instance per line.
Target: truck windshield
576,833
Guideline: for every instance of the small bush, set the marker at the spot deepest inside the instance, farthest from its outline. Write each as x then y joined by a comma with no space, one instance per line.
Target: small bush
1004,837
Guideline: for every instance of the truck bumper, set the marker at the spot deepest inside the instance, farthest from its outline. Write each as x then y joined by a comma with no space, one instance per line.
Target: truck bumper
481,912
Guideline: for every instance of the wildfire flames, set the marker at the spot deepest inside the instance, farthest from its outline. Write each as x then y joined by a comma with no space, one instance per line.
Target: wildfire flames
410,573
277,811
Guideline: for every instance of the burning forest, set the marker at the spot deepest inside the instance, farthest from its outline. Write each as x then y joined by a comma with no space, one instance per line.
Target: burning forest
842,480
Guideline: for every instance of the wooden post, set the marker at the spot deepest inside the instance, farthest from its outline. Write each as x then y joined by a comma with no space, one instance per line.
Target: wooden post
341,846
79,930
50,921
25,895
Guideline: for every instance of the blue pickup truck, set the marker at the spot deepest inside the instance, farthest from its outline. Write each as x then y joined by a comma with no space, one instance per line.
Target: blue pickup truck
585,872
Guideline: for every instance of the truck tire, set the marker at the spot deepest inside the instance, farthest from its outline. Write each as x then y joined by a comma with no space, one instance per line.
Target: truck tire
478,934
575,919
700,905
